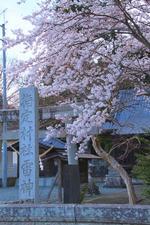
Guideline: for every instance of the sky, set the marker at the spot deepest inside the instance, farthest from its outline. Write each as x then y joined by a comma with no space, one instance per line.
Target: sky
14,19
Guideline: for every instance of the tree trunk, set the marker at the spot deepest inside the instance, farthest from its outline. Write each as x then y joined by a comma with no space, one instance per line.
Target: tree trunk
116,166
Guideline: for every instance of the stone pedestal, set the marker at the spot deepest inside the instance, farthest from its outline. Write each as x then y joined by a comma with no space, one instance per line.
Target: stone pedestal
113,179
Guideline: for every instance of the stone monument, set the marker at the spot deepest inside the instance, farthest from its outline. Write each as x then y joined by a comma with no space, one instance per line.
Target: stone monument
113,179
28,144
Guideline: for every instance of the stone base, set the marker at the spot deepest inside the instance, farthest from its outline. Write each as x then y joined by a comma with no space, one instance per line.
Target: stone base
72,214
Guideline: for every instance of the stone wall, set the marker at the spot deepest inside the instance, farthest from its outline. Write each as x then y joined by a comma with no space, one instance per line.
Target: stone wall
70,214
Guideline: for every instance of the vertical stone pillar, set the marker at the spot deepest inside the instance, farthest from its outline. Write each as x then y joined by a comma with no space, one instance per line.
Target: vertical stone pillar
71,151
28,144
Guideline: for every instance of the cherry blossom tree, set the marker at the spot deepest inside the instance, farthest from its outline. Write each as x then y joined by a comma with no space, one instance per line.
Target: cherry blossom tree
90,49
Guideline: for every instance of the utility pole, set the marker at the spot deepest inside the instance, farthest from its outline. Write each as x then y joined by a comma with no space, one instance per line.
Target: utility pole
4,97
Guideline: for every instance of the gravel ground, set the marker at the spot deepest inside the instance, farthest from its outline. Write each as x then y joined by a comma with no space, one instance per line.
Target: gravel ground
108,195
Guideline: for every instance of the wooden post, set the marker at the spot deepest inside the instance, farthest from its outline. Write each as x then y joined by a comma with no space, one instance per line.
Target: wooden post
71,174
59,180
71,180
18,166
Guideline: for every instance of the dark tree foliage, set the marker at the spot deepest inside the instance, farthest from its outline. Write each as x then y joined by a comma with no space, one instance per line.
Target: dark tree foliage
142,168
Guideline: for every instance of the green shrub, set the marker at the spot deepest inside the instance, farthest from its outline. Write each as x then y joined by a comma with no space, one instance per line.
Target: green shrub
142,169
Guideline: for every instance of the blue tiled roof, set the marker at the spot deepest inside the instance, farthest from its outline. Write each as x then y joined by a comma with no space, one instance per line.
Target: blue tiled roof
56,143
133,114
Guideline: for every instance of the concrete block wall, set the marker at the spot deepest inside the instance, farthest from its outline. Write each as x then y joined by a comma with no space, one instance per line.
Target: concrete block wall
71,214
